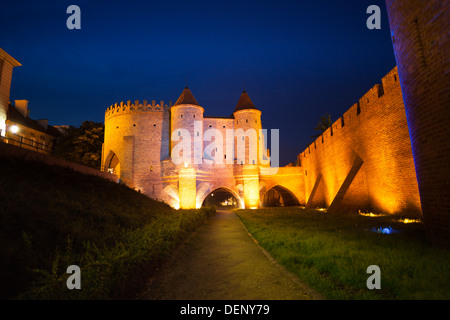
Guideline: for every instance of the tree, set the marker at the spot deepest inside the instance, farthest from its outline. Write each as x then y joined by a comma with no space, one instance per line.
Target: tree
324,124
82,145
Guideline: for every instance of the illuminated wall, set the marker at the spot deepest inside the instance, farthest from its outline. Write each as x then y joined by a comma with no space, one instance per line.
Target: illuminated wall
364,161
187,188
420,39
251,186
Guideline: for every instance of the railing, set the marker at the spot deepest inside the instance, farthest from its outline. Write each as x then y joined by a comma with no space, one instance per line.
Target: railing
26,143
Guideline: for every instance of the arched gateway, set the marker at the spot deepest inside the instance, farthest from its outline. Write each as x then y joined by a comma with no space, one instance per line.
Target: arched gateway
214,168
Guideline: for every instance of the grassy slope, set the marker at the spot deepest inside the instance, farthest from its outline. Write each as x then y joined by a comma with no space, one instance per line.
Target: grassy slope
52,217
331,252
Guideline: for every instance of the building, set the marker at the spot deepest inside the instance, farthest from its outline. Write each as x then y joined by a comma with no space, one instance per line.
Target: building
22,131
174,153
16,126
7,63
363,162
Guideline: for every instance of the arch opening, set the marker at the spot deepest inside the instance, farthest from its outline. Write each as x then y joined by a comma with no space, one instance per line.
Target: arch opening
279,196
221,198
112,164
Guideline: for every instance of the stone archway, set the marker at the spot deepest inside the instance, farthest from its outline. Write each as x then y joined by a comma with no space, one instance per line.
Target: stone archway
112,164
222,198
279,196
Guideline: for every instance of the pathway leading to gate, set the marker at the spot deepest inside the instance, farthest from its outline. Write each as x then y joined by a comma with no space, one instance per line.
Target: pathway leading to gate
222,262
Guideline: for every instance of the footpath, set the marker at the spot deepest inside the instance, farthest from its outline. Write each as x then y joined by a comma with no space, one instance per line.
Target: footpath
221,261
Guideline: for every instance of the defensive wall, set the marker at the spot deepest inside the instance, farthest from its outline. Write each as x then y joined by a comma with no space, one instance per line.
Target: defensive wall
364,160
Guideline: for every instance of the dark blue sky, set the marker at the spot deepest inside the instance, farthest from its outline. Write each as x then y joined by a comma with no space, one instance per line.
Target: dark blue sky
299,59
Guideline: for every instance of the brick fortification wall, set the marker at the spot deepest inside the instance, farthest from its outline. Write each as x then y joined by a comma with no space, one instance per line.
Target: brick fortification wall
364,161
420,38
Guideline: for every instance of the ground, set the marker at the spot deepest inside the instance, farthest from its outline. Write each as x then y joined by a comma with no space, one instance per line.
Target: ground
221,261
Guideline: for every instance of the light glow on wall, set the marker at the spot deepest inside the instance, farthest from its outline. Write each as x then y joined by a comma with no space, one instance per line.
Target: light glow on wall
371,214
410,220
251,187
187,188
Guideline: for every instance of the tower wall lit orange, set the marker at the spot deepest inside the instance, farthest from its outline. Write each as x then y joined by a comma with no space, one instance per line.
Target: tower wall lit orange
364,161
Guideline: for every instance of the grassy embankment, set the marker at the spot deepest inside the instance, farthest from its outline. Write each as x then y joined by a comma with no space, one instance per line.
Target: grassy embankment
53,217
331,253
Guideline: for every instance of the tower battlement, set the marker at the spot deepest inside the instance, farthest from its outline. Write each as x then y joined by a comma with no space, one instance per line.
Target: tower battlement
137,106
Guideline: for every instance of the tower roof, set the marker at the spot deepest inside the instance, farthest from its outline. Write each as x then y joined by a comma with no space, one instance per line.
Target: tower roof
186,97
244,103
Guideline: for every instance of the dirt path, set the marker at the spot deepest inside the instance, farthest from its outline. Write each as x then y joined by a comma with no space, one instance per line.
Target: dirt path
222,262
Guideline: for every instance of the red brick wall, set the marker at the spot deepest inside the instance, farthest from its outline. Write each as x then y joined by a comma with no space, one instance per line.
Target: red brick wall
375,130
421,44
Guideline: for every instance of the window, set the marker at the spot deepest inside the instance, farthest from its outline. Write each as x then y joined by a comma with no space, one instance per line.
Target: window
193,115
246,120
181,116
210,126
179,133
154,124
198,133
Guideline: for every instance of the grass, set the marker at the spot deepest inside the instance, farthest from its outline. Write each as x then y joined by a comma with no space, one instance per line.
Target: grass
331,253
53,217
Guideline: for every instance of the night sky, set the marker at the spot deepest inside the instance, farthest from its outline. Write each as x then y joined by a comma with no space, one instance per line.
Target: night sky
298,59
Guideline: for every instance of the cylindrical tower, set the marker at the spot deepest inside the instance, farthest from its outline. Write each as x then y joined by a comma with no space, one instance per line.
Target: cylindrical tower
420,38
136,141
247,125
186,130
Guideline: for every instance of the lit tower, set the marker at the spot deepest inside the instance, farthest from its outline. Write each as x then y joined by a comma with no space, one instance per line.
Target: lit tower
187,136
247,125
187,118
419,32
